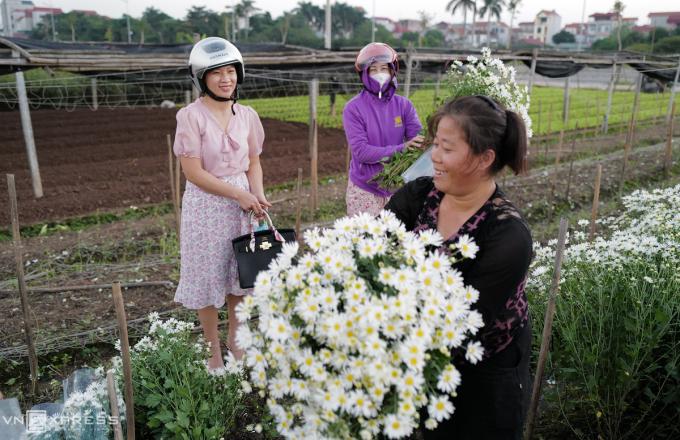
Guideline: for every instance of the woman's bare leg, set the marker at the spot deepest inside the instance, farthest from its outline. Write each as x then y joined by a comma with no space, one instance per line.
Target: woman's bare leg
232,325
209,318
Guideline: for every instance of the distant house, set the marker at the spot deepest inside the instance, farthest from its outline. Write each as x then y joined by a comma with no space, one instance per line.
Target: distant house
602,24
14,20
491,33
387,23
546,24
667,20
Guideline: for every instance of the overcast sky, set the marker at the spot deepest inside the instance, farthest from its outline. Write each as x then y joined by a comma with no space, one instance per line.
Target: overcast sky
570,10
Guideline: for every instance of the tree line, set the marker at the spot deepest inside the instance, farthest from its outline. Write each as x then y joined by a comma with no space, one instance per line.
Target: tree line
244,22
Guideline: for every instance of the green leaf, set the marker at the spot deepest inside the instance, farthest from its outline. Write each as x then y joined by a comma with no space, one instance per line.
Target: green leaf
152,400
182,420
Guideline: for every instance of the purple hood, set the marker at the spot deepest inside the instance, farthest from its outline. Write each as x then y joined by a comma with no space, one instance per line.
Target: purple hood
373,87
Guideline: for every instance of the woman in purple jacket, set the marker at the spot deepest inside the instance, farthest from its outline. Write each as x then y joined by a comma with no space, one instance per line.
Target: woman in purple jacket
378,123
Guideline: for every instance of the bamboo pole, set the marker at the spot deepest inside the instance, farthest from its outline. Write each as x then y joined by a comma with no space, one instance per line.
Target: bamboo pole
27,128
88,287
550,118
314,143
409,72
532,72
571,168
174,186
558,155
671,102
113,403
127,364
668,153
596,202
23,291
539,118
547,331
298,205
610,97
565,102
626,153
95,100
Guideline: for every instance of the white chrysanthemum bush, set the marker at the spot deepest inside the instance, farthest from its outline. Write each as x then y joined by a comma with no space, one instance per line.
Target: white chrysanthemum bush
489,76
354,337
616,338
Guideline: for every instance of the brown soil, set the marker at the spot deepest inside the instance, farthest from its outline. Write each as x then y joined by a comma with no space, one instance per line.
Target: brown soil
112,159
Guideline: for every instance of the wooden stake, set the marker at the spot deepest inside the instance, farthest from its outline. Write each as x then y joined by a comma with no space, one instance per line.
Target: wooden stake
547,330
348,159
113,402
314,142
550,118
127,364
596,202
571,167
27,128
558,155
610,96
539,118
668,156
23,291
532,71
173,188
298,206
626,153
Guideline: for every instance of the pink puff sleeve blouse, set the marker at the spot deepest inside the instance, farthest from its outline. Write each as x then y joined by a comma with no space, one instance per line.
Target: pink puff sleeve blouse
222,153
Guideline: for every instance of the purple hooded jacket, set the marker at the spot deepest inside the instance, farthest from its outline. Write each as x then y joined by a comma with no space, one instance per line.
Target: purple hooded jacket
377,128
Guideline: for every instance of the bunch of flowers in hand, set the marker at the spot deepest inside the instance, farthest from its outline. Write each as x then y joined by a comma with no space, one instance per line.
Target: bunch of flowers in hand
491,77
356,336
476,76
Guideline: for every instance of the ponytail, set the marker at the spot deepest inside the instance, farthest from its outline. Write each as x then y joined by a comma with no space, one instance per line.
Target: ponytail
513,149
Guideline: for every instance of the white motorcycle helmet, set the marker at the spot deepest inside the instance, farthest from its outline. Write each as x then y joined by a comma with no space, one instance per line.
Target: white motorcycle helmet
211,53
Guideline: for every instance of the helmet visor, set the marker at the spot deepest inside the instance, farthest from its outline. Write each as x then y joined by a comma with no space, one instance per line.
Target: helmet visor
374,53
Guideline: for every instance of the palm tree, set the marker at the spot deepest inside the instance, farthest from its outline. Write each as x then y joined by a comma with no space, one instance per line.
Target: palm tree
513,5
618,10
425,19
491,8
245,9
454,5
284,26
72,20
313,15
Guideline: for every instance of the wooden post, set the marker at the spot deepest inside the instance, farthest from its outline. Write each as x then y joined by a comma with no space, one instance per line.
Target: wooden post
174,187
539,118
610,96
113,403
626,153
558,155
668,156
571,168
298,206
550,119
565,103
127,365
672,99
437,86
348,159
409,72
636,108
23,291
596,202
532,72
314,142
596,127
547,331
27,128
95,99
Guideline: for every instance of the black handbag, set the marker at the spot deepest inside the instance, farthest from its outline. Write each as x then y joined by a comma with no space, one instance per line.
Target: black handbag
254,251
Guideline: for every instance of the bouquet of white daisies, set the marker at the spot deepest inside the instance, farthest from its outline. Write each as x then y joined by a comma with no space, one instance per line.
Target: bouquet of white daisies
491,77
483,75
355,337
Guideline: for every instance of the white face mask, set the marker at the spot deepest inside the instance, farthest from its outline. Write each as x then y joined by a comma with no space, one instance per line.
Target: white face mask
381,78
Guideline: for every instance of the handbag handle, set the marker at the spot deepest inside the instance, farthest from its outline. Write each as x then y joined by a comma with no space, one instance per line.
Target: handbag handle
277,236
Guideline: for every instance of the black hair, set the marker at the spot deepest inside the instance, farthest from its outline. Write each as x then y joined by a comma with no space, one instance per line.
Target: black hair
487,125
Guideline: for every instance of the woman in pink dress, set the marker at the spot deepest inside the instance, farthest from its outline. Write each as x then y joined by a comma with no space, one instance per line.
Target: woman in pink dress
218,142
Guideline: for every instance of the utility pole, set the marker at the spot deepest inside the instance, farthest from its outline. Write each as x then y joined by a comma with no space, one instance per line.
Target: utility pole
373,24
9,32
581,28
327,27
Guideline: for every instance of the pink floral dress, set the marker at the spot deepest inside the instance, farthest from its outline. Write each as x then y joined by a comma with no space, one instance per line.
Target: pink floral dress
209,222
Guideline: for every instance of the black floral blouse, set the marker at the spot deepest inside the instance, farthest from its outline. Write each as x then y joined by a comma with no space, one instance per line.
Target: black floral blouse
498,271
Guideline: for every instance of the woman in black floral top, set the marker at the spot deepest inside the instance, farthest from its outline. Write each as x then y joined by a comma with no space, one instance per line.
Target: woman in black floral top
474,139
